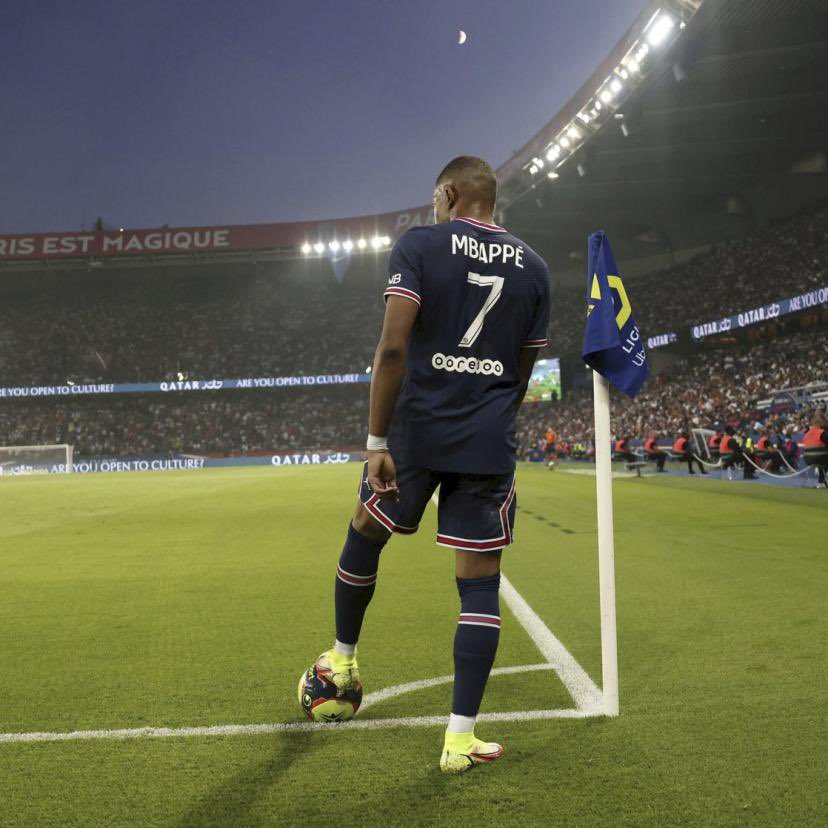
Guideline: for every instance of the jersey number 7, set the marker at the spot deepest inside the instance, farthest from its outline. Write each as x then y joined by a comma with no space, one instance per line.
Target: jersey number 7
496,285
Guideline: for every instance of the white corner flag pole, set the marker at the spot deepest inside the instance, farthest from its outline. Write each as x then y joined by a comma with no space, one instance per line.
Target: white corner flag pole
606,544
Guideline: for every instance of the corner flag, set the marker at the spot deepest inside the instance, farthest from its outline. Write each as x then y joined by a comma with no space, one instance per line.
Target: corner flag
613,349
612,343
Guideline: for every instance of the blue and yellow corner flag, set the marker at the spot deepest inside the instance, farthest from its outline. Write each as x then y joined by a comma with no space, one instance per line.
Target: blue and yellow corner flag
612,343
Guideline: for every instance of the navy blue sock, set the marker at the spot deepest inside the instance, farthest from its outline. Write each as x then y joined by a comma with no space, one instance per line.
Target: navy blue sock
356,576
475,642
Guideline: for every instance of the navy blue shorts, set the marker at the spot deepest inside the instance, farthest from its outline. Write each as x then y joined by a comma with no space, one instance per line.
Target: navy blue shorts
474,512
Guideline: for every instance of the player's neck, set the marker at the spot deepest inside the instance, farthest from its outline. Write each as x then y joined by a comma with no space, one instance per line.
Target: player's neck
473,210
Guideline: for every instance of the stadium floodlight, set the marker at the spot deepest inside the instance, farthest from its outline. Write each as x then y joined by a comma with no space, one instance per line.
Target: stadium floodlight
319,247
306,248
386,240
564,142
553,152
348,246
574,133
616,86
606,96
334,246
633,65
598,106
532,169
538,163
660,29
585,116
623,73
376,242
552,175
361,243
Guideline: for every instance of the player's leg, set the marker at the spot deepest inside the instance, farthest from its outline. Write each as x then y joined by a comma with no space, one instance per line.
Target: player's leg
358,566
477,514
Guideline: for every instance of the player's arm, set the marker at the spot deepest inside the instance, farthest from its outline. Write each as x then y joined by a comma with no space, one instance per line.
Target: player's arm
526,361
386,380
535,338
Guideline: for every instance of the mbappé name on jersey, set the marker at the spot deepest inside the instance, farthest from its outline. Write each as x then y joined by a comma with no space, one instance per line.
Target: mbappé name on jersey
483,296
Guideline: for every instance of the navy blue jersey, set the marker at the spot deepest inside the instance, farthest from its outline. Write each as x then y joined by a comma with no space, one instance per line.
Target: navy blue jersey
483,295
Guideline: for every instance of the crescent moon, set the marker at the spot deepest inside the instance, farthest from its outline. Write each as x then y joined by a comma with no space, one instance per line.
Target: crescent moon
462,38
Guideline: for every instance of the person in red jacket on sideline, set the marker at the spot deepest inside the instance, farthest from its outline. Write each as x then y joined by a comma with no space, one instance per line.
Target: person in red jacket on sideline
732,452
815,447
683,451
622,450
654,453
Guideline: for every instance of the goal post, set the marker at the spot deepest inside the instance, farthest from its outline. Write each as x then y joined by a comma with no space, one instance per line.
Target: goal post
44,459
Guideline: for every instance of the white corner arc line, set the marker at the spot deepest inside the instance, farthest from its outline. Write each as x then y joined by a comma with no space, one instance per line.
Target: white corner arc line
423,684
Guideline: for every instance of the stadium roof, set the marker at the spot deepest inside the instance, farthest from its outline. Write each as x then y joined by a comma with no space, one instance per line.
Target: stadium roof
707,119
727,130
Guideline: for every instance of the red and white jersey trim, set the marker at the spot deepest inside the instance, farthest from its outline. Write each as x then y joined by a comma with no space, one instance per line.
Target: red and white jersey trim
535,343
401,291
490,544
482,225
372,505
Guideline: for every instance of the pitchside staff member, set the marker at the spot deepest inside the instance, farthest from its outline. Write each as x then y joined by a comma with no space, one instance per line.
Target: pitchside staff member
733,453
467,309
654,453
815,446
682,451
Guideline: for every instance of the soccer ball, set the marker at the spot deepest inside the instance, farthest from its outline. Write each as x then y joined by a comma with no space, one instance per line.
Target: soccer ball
321,701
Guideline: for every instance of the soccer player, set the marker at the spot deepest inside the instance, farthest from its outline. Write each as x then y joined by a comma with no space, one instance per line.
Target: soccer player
467,308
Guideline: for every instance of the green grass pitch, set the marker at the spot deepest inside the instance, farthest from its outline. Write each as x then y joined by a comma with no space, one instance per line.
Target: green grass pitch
197,598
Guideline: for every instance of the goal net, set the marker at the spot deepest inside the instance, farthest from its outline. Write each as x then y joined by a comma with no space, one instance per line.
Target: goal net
36,459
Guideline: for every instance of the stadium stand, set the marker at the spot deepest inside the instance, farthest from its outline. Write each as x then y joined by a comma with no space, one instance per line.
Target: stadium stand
705,163
779,262
263,321
723,387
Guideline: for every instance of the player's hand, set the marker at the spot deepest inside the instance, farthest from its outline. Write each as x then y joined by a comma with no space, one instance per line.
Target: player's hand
382,475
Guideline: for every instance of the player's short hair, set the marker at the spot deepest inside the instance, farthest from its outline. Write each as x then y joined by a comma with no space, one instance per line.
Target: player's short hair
472,176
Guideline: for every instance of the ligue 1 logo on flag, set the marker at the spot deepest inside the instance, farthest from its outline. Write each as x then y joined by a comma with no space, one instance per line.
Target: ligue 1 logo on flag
612,342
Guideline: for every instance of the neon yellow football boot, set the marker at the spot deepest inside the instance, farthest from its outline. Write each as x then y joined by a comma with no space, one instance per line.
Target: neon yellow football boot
340,670
462,751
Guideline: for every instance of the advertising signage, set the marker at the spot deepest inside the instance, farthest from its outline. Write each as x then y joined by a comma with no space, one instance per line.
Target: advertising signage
244,383
805,301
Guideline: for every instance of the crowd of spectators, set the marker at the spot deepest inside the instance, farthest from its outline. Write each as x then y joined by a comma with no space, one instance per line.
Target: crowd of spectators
295,317
709,389
222,321
206,322
204,422
776,263
722,387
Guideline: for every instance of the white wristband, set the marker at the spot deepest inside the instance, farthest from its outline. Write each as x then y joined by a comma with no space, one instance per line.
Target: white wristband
377,443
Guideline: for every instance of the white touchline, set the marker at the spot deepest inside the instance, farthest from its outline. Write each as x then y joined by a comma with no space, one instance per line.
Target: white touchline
586,695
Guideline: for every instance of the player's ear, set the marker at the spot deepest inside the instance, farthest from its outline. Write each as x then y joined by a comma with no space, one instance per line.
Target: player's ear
452,194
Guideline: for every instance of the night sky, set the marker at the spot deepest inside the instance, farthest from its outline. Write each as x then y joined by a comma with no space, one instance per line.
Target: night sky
214,112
